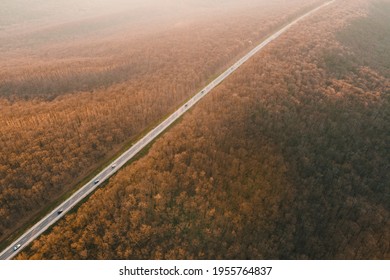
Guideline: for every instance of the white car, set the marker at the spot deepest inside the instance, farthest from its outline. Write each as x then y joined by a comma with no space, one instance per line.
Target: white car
113,166
16,247
96,181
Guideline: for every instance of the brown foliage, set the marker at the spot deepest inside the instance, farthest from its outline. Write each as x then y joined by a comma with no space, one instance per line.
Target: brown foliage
68,107
281,161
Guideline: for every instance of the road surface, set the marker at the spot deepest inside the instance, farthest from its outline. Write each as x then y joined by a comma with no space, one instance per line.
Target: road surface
60,211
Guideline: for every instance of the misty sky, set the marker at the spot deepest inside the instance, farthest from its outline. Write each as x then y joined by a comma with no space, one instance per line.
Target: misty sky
37,11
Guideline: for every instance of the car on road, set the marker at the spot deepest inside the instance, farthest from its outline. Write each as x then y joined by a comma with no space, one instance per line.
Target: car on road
113,166
60,211
96,181
16,247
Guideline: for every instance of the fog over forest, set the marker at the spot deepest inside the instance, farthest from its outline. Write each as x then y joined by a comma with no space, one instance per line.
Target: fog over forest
31,23
44,11
287,158
79,80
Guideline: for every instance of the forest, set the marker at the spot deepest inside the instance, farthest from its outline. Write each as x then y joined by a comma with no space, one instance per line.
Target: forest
74,93
287,159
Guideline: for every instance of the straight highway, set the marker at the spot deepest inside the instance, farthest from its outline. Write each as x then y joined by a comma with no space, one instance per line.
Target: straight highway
107,172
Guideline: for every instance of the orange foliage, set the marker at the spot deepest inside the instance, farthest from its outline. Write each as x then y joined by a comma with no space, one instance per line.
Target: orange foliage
282,161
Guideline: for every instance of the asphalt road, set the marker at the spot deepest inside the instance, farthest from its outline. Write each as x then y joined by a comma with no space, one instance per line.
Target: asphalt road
60,211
